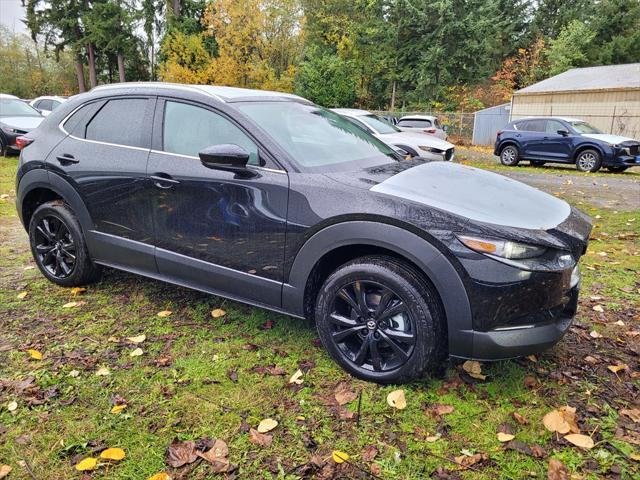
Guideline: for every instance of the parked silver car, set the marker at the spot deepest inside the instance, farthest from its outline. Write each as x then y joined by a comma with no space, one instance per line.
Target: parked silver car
415,144
423,124
46,104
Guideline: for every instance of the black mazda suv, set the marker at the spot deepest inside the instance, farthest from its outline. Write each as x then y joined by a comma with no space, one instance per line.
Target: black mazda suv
265,198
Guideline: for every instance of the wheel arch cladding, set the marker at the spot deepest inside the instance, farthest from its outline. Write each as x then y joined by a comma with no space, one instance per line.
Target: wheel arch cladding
403,244
589,146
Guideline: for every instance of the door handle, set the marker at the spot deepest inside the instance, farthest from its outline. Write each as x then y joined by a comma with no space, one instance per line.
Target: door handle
163,180
66,159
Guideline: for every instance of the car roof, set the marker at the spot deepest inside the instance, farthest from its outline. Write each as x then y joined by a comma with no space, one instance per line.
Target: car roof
221,93
418,117
351,112
6,95
565,119
49,97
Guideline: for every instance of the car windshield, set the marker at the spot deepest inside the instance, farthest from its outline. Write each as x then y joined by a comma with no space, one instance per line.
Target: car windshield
10,107
378,124
583,127
316,138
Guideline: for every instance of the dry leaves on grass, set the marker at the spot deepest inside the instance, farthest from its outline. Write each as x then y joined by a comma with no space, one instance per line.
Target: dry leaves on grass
164,313
217,456
87,464
137,339
633,414
618,367
117,409
217,313
561,420
579,440
5,470
397,400
296,378
261,439
35,354
160,476
267,425
213,451
557,470
339,457
22,295
474,369
344,394
136,353
181,453
103,372
504,437
115,454
468,460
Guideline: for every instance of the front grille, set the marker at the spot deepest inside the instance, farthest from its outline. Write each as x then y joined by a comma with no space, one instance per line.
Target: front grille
448,154
21,132
633,149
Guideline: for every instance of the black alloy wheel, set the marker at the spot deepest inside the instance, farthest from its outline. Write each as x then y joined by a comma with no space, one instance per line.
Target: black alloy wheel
55,246
372,326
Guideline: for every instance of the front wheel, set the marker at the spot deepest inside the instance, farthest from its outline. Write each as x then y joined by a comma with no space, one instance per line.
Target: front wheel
617,169
380,320
588,161
58,246
509,156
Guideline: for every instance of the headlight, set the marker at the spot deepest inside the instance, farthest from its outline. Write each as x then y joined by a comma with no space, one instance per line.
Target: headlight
502,248
429,149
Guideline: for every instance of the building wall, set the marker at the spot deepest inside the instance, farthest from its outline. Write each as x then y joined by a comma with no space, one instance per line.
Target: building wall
488,122
616,112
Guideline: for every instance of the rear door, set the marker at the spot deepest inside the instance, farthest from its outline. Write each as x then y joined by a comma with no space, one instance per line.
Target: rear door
531,136
104,158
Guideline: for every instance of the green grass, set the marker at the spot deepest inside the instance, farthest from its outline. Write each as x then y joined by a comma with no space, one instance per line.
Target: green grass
194,397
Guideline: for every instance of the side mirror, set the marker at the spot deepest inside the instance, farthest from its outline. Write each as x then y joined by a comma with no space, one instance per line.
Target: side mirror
564,133
226,156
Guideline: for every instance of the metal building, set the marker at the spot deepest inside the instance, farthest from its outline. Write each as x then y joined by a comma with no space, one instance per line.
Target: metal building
608,97
488,122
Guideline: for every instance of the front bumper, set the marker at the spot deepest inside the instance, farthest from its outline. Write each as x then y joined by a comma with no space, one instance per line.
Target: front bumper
446,155
626,161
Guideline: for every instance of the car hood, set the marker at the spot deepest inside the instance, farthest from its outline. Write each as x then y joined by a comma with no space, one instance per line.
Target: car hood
608,138
22,122
415,140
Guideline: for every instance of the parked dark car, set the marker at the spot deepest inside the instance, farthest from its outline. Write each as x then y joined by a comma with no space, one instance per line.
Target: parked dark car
16,119
565,140
268,199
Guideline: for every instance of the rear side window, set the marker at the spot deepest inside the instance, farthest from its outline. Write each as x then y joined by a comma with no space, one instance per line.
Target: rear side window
119,121
416,123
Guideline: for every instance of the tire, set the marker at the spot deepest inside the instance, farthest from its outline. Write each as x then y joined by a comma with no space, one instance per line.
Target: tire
58,246
588,160
3,147
617,169
509,156
537,163
408,344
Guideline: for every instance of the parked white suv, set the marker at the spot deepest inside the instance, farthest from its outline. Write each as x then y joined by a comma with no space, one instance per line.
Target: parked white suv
415,144
47,104
422,124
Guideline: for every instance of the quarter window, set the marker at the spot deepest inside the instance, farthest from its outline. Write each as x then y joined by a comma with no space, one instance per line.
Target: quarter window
189,129
119,121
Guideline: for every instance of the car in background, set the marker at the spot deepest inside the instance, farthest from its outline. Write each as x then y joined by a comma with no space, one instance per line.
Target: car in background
47,104
415,144
423,124
16,118
565,140
392,119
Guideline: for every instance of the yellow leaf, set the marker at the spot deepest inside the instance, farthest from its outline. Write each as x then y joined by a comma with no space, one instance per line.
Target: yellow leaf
267,425
103,372
70,304
635,456
474,369
160,476
35,354
617,368
88,463
118,408
5,470
397,400
112,454
74,373
598,308
505,437
77,290
339,457
579,440
138,339
22,295
297,378
11,406
164,313
554,422
218,312
136,353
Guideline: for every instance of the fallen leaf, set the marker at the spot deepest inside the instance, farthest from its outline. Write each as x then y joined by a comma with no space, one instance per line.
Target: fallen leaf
164,313
520,418
598,308
12,406
22,295
618,367
579,440
557,471
217,456
160,476
103,372
138,339
554,422
268,325
35,354
233,375
87,464
70,304
620,323
469,460
505,437
5,470
474,369
396,399
297,377
118,408
74,373
633,414
258,438
181,453
217,313
136,353
595,334
442,409
116,454
344,393
77,290
267,425
339,457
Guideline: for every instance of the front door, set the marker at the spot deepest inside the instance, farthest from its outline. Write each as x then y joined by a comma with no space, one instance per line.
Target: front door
557,146
216,230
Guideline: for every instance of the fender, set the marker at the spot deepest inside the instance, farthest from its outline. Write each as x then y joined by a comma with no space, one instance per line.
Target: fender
427,257
589,144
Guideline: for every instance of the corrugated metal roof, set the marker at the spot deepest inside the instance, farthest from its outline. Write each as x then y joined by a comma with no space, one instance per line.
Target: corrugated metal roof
606,77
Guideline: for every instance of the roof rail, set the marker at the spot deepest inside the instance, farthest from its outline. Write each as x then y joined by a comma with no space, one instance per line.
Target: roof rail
167,85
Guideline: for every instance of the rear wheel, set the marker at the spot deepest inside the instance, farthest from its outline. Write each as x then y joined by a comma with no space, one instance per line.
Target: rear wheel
617,169
58,246
509,156
588,161
380,320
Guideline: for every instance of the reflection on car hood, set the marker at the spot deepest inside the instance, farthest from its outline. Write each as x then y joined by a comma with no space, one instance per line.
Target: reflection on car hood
415,139
606,137
477,195
23,123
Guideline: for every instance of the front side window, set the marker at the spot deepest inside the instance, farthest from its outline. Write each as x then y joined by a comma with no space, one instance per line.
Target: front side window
583,127
55,104
12,107
378,124
119,121
318,139
188,129
553,126
415,123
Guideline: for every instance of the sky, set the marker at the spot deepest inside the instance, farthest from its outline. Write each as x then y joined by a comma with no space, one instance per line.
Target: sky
11,11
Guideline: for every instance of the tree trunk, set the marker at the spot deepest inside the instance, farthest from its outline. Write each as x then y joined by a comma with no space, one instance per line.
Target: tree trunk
121,67
93,79
175,6
393,96
80,74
